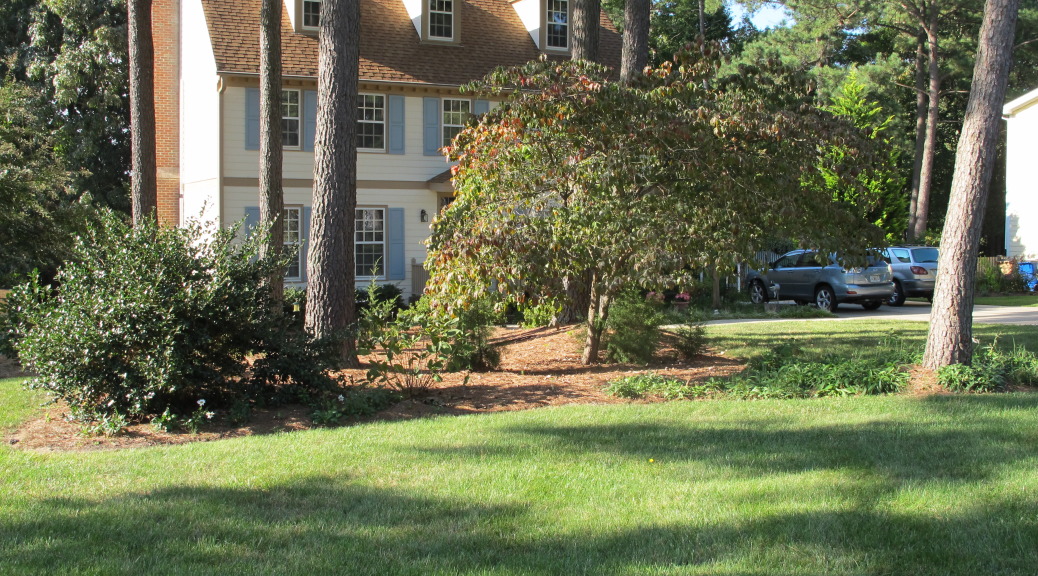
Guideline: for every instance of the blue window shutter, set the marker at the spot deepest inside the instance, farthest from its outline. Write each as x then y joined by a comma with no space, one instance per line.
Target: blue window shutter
481,107
252,118
309,119
396,124
431,125
396,244
252,219
304,247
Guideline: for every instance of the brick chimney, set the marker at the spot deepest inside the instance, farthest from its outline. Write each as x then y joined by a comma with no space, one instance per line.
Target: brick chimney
165,25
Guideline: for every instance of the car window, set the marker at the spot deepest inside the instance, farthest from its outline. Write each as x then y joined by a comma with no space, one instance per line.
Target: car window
901,254
810,260
787,261
885,256
925,254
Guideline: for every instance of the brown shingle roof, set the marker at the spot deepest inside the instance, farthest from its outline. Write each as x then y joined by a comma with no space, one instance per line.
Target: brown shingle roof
491,35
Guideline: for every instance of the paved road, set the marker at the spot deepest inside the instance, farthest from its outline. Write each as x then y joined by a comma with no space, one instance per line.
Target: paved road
918,311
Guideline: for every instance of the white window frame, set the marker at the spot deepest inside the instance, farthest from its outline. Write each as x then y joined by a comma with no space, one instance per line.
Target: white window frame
431,5
359,219
444,125
302,17
298,118
297,243
360,120
548,24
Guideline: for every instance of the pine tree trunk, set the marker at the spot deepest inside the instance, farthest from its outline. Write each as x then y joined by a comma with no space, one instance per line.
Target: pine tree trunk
272,199
586,17
636,40
330,310
143,186
950,340
918,230
921,100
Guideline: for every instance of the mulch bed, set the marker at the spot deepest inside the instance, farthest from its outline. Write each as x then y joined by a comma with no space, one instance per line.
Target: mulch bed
539,367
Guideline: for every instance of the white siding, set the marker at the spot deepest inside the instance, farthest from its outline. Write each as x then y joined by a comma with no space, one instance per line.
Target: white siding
199,117
411,166
1022,183
236,199
414,12
529,12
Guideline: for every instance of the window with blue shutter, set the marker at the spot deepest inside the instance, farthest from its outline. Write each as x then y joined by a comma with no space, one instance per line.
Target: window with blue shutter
309,119
396,124
252,118
431,126
395,267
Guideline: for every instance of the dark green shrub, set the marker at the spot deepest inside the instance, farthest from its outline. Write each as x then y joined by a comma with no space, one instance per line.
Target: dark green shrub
148,319
472,350
353,402
633,333
967,378
390,293
690,340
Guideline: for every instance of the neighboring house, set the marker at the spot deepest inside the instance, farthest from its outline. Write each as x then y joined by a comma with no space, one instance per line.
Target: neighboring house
414,56
1021,117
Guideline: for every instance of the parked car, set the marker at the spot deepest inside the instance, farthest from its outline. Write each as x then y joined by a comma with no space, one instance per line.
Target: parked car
1029,272
805,276
915,272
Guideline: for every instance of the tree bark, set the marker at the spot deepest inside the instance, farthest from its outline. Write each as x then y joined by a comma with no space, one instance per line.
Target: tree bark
635,40
330,311
921,100
272,198
597,315
950,340
919,220
586,18
143,177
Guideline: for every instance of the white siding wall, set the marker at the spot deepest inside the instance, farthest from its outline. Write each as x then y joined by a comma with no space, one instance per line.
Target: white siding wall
411,166
1022,183
236,199
199,118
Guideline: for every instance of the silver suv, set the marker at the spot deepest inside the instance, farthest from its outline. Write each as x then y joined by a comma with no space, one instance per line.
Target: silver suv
915,272
804,276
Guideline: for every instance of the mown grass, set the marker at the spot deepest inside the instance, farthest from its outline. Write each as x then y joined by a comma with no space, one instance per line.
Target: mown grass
16,404
866,485
850,338
1030,300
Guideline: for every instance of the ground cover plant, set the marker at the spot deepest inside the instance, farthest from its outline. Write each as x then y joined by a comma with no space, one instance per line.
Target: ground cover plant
870,485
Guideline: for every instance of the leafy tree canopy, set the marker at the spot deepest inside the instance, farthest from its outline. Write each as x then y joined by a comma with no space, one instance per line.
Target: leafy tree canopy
634,185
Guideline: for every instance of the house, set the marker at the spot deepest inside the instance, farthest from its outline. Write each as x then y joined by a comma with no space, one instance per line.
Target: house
414,56
1021,117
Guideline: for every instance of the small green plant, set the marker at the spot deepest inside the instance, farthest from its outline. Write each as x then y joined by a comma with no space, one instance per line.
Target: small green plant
633,328
165,422
108,424
967,378
198,418
539,313
472,349
355,401
690,340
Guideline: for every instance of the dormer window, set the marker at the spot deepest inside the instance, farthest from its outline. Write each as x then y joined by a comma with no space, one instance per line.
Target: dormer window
441,19
311,13
557,17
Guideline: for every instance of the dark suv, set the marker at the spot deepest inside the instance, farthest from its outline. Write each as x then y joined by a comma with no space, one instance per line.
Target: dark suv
915,272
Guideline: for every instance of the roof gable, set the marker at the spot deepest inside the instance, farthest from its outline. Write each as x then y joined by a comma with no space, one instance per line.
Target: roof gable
390,51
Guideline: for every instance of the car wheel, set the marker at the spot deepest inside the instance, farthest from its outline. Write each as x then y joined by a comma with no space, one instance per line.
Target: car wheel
872,305
825,299
898,297
758,294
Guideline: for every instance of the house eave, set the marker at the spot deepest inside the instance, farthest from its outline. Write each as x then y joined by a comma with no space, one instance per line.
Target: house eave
1020,104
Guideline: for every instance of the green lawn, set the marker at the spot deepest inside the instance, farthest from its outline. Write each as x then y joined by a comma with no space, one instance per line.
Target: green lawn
867,338
864,485
1030,300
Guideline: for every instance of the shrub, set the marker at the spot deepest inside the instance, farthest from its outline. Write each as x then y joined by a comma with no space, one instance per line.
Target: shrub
690,340
655,385
150,319
472,349
967,378
633,329
540,313
354,401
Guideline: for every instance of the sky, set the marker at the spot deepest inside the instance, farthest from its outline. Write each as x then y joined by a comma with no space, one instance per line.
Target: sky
768,16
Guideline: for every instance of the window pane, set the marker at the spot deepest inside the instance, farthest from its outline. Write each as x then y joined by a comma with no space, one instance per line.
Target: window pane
371,118
558,23
293,231
311,13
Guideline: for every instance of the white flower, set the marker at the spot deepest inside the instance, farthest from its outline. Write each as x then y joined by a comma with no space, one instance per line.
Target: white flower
201,403
342,398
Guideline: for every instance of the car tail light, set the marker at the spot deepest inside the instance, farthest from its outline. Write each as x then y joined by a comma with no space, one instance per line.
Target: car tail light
919,270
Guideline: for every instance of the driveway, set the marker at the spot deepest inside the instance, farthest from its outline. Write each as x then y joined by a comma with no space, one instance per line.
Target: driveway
914,311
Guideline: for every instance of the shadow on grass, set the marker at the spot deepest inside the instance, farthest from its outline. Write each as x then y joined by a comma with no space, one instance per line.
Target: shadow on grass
331,525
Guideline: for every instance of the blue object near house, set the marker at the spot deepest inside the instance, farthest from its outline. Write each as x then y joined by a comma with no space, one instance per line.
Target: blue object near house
1029,271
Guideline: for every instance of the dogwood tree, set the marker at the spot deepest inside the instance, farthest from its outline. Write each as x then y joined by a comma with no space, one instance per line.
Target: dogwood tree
633,185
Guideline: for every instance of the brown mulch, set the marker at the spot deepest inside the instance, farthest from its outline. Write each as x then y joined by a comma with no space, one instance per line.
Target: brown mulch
539,367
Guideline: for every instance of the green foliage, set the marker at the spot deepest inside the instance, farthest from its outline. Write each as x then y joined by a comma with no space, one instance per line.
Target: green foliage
633,328
472,350
636,186
411,349
690,340
992,368
539,313
652,385
991,280
355,401
149,319
109,424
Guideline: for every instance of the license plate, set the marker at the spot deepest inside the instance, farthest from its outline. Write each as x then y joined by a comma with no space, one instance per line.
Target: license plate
874,278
